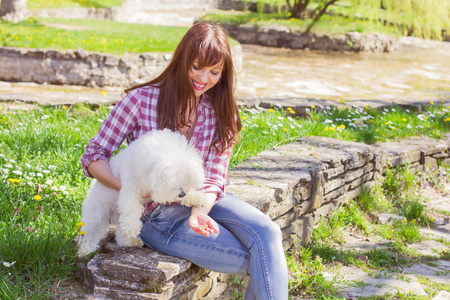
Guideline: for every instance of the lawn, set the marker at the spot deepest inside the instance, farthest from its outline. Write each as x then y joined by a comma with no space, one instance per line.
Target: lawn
43,187
92,35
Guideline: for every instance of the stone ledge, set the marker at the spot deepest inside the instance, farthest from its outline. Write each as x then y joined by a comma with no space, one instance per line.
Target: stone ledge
80,67
282,36
296,184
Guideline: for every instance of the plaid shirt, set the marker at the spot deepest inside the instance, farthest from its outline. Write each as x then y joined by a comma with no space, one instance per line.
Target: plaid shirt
135,115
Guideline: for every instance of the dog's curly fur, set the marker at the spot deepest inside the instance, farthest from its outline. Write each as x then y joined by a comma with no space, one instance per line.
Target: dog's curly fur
160,163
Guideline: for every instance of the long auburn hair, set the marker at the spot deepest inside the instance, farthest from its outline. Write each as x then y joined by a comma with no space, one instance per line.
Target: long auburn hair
208,43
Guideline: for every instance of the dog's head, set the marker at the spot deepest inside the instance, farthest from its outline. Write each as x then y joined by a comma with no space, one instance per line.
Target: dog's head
174,178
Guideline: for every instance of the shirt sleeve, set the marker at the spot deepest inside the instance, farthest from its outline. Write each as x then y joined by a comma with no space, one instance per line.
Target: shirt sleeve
216,169
115,128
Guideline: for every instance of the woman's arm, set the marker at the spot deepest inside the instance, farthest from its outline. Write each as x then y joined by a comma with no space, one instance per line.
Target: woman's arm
101,171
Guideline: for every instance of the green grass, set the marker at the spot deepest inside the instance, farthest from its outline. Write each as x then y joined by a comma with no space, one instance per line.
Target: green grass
327,25
92,35
368,125
42,186
54,4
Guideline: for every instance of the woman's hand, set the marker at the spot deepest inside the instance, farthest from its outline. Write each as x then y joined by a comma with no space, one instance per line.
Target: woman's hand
201,223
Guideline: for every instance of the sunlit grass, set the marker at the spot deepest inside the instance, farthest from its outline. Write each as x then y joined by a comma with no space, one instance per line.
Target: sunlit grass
332,25
53,4
92,35
42,185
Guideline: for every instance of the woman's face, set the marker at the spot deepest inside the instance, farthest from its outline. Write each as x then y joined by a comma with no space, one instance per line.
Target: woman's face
204,78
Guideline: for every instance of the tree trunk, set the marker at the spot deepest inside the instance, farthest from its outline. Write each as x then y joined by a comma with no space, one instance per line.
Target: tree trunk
13,10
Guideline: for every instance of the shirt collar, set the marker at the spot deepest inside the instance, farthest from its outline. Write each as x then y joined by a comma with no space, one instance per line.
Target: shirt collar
205,101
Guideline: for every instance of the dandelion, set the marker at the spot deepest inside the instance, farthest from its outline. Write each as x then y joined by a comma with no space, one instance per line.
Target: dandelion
244,118
103,93
312,106
37,197
80,224
285,129
7,264
431,102
405,220
394,128
271,110
13,180
404,119
367,106
64,107
82,232
342,101
331,128
431,219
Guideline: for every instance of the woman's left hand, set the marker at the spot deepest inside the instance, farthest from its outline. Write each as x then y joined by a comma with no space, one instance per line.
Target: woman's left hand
201,223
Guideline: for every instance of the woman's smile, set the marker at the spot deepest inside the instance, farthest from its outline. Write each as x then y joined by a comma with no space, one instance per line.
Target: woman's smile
204,78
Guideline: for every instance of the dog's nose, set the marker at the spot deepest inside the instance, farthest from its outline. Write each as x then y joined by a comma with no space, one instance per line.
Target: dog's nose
182,194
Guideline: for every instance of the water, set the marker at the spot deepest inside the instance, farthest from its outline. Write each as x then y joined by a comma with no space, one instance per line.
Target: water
420,70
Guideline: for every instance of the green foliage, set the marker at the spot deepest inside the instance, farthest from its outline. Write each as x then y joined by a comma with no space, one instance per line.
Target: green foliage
91,35
41,192
52,4
374,200
307,276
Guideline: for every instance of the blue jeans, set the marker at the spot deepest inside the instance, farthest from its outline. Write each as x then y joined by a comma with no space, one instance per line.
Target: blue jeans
249,242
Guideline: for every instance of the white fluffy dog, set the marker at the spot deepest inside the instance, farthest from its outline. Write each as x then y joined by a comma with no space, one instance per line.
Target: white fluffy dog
160,163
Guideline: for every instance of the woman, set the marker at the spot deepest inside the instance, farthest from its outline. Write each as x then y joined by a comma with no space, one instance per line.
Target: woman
194,96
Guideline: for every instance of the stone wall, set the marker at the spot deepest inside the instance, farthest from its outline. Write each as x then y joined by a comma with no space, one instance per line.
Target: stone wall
282,36
296,184
79,67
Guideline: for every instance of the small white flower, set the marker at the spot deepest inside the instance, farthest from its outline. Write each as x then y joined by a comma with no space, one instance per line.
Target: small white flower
51,167
17,172
62,188
7,264
46,171
39,175
49,182
409,126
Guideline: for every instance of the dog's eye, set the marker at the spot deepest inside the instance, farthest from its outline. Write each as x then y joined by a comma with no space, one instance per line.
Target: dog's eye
182,194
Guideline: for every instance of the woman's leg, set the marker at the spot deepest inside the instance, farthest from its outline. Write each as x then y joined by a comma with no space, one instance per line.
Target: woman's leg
248,243
166,229
262,237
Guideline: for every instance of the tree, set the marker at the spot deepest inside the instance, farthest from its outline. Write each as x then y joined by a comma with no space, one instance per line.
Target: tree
298,9
13,9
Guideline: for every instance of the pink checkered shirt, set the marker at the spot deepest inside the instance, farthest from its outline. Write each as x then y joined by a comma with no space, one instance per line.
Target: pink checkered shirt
135,115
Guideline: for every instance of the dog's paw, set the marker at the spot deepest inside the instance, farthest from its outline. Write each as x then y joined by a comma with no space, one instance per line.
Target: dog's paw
129,242
85,249
131,229
195,199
